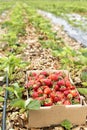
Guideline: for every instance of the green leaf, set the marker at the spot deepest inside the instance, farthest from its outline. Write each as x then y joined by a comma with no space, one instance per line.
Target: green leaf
32,104
1,99
66,124
16,90
16,94
16,85
82,91
84,84
28,101
1,89
84,76
10,89
18,103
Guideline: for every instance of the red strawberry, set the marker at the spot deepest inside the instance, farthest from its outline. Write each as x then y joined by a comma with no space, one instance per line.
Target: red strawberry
56,99
59,74
60,95
30,84
45,87
48,102
52,95
67,102
67,83
40,91
47,90
72,87
61,82
74,93
53,77
44,73
62,88
47,82
35,87
34,95
33,74
41,77
56,87
66,92
41,99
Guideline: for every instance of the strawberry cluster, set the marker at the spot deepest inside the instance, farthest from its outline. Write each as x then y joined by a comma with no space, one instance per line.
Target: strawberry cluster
52,88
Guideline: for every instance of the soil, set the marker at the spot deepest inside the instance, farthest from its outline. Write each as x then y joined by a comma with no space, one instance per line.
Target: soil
39,58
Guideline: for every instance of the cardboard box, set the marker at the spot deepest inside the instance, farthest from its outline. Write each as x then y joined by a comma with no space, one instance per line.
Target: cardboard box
53,115
48,116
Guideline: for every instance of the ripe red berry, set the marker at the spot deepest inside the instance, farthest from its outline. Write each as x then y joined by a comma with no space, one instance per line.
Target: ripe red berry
74,93
48,102
40,91
56,87
61,82
56,99
53,77
34,95
47,82
52,95
44,73
66,92
47,90
62,88
66,102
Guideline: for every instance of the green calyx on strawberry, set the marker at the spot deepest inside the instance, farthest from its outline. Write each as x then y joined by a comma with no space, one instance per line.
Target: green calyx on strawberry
74,93
69,96
76,101
48,102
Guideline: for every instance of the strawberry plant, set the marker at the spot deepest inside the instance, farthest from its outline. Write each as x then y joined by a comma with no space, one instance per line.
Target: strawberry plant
83,91
16,98
66,124
11,64
15,27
